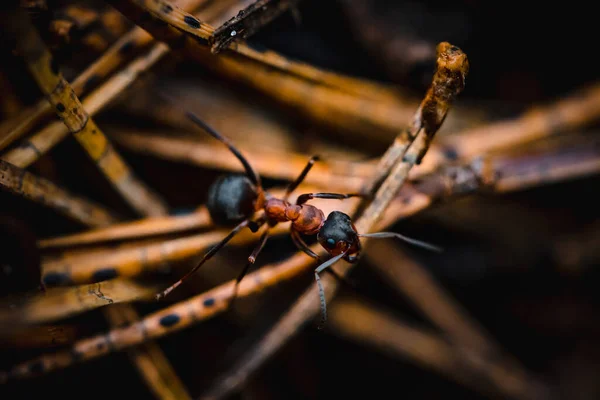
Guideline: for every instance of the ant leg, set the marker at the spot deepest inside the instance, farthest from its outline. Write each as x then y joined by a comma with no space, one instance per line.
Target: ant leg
300,177
205,258
336,196
251,260
383,235
319,269
301,244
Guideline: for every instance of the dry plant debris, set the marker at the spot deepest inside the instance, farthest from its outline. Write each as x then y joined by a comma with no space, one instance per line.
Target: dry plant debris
107,183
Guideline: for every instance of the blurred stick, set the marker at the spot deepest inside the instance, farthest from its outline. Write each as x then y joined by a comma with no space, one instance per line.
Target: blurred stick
152,363
367,325
336,109
450,74
573,111
59,303
570,161
47,74
333,175
126,262
40,190
70,20
133,230
41,336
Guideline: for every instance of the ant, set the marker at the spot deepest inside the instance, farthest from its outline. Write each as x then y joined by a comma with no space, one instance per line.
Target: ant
239,200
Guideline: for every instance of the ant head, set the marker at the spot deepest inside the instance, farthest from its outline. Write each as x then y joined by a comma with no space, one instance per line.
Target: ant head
338,234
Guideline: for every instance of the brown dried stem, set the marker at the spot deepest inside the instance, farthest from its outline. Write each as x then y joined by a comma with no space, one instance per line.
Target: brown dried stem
414,281
335,175
368,325
133,230
59,303
40,190
47,75
39,336
149,359
573,111
448,82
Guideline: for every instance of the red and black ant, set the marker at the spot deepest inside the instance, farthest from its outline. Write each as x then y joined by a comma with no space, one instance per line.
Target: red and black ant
235,199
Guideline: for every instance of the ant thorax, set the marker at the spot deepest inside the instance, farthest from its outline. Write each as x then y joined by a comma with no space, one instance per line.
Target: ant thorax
306,219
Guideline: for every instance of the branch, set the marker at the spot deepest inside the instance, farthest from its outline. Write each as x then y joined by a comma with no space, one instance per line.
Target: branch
58,303
368,325
42,191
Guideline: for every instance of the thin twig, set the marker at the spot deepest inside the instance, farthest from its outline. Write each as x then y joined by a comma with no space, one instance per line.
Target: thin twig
413,281
576,110
58,303
336,176
448,82
40,190
133,230
368,325
39,336
149,359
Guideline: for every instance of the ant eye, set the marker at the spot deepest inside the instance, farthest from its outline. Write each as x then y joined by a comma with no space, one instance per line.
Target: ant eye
331,243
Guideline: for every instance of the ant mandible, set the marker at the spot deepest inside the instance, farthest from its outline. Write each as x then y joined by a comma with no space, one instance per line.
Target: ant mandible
239,200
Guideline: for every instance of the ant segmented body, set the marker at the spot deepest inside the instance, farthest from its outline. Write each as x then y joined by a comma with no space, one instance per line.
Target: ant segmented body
239,200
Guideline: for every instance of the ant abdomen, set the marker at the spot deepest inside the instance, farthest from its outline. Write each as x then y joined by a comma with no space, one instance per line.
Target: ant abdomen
231,199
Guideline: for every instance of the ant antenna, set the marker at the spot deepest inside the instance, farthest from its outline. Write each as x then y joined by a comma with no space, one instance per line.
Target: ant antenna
419,243
250,172
322,267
